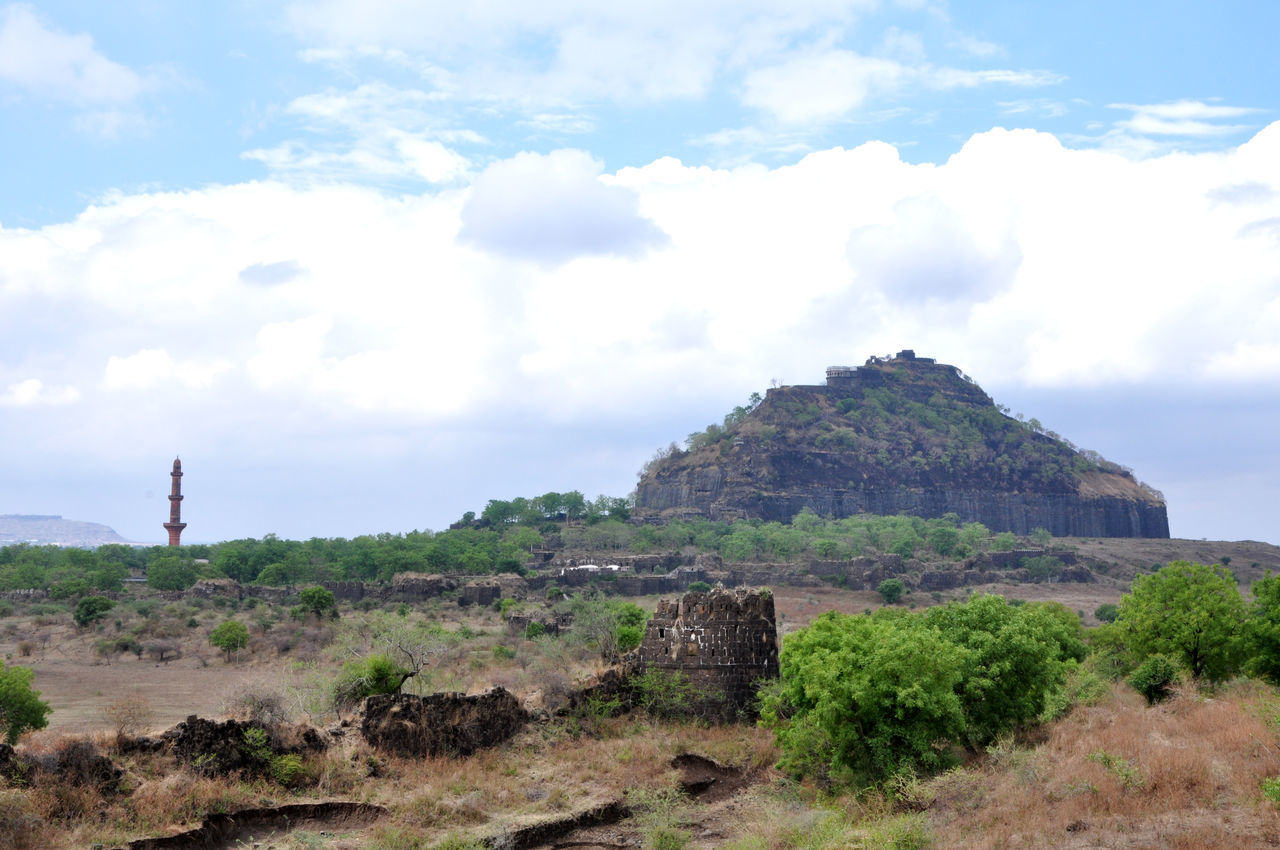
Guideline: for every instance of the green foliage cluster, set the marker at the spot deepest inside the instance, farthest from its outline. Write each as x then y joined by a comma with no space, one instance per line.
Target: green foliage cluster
21,708
665,694
230,636
864,697
1191,612
891,590
360,678
91,609
1190,618
1155,678
919,427
611,626
500,543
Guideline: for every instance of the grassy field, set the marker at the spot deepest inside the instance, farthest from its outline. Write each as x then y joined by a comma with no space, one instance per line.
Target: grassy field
1188,773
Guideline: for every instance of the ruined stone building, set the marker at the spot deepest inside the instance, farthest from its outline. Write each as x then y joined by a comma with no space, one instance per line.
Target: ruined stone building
723,641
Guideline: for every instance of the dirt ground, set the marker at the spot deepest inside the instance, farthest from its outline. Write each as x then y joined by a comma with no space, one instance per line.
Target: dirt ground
78,690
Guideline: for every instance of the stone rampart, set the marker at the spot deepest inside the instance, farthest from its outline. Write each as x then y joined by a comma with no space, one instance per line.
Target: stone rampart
724,642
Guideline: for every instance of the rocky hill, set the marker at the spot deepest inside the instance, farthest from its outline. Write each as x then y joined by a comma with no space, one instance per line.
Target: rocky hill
899,434
43,530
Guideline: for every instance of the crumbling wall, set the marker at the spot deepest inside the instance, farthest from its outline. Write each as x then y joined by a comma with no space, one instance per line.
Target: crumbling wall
724,642
441,724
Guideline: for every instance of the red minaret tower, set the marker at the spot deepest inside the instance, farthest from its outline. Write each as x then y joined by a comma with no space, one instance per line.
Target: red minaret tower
175,524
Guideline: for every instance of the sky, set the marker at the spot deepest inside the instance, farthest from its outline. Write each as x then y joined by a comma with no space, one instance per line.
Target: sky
367,264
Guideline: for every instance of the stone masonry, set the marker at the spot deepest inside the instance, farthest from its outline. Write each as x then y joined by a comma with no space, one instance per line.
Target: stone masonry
723,641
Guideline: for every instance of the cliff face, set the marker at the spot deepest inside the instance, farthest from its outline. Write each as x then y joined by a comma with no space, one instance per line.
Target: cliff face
900,435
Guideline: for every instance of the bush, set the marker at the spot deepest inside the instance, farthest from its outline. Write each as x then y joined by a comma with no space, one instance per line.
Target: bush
90,609
863,698
1106,612
1155,678
666,695
891,590
129,715
699,587
229,636
375,674
20,705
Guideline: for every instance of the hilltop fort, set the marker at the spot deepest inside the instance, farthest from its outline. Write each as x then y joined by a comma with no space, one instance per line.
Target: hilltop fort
900,434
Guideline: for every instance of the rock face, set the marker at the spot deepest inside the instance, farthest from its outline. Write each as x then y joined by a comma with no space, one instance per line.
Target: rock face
441,724
723,642
899,435
223,747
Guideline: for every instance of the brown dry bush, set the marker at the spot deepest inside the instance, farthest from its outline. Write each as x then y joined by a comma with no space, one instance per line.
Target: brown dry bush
257,701
20,826
129,715
181,799
1124,774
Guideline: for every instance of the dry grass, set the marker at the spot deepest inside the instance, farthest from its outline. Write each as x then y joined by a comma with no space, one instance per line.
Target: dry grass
1186,773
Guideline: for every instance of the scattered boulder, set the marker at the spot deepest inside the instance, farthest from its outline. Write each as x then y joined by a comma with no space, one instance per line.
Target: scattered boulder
232,745
441,724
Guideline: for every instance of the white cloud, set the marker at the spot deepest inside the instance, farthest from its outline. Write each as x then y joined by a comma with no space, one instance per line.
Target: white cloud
1181,118
570,50
32,391
373,132
928,251
301,312
554,208
42,62
976,46
153,367
819,86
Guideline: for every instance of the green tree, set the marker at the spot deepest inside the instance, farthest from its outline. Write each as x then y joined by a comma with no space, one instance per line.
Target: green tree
1106,612
1263,629
229,636
20,705
170,572
891,590
862,698
1018,655
1190,612
318,601
90,609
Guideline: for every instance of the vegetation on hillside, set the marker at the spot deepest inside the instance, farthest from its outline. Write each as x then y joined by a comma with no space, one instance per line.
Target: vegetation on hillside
481,546
924,426
866,698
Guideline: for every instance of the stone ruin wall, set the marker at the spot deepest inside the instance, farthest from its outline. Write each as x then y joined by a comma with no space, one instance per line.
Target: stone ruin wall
723,641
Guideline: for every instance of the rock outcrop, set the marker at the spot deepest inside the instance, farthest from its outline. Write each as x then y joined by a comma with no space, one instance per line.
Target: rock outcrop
441,724
898,435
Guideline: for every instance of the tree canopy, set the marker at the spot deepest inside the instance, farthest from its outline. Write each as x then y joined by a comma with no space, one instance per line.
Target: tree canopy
20,705
1191,612
863,697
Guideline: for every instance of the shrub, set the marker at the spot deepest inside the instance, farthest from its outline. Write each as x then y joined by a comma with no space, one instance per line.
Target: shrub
229,636
666,695
90,609
129,715
534,630
286,769
699,587
891,590
20,705
375,674
1155,678
1106,612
